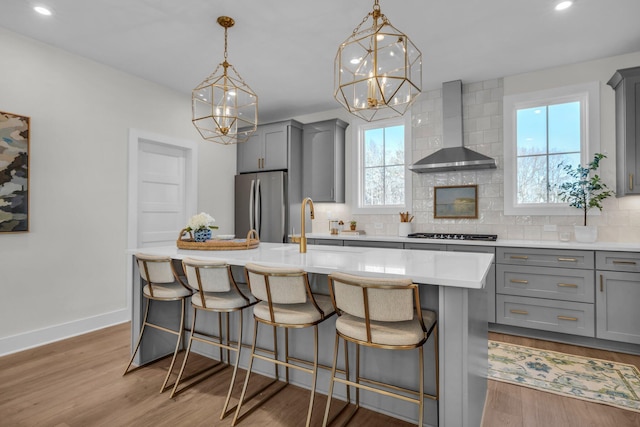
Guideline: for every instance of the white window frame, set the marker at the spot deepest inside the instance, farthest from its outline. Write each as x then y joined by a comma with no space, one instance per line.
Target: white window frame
360,126
589,96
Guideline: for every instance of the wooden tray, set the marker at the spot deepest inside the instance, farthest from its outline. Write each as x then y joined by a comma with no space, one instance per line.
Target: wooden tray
251,242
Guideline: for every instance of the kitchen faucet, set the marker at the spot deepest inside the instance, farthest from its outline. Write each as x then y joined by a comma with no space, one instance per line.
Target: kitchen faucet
303,238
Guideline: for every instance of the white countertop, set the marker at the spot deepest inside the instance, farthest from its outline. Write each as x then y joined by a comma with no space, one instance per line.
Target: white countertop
551,244
456,269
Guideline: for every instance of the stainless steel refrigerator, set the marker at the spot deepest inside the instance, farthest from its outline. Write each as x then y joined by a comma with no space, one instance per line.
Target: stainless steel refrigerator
262,204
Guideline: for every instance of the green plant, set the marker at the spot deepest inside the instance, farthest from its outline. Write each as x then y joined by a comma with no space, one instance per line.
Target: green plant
353,223
586,190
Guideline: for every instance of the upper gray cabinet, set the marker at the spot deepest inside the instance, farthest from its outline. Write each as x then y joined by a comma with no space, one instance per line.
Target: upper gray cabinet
323,161
268,148
626,83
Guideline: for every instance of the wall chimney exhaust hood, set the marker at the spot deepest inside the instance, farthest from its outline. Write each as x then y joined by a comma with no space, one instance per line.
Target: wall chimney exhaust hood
454,156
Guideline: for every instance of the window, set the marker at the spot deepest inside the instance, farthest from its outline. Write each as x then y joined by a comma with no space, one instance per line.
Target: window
383,181
541,131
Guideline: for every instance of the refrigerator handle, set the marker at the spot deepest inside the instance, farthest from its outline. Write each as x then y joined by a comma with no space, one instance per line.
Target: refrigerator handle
251,202
283,216
258,209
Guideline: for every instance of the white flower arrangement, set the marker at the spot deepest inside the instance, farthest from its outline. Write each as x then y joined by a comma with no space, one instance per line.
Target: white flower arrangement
201,221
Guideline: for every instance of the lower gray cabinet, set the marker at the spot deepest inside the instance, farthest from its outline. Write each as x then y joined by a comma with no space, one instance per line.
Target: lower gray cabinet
371,244
617,301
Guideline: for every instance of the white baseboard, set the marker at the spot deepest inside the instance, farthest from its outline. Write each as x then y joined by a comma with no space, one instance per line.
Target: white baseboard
31,339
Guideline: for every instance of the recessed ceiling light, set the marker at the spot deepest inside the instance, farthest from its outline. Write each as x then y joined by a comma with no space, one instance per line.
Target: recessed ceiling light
43,10
564,5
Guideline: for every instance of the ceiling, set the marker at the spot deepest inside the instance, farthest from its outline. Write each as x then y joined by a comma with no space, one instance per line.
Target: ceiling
285,49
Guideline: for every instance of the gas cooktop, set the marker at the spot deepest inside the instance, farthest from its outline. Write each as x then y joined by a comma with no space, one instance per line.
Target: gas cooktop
453,236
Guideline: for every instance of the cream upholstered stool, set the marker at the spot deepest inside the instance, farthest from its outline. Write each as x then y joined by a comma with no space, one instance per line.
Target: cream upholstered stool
386,314
286,301
163,284
215,291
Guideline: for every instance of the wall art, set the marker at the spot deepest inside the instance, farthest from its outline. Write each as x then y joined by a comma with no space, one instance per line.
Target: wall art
14,173
456,202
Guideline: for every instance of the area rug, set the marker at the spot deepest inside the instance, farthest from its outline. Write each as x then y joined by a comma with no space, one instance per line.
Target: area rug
601,381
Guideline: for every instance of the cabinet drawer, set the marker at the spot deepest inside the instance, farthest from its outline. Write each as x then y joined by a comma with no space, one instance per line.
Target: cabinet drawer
549,315
425,246
545,257
565,284
325,242
370,244
618,261
472,248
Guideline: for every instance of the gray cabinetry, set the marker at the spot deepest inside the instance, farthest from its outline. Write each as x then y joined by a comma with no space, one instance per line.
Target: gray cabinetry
269,147
373,244
323,161
626,83
618,297
546,289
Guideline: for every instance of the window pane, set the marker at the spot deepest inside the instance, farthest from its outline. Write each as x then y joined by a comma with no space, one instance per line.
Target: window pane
531,135
556,173
373,187
564,128
394,145
374,147
532,179
394,185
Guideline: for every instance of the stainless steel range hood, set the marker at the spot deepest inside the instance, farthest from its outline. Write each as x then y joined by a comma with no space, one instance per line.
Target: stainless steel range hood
454,156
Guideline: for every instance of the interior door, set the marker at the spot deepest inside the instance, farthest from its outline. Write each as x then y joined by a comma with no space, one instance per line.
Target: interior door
161,193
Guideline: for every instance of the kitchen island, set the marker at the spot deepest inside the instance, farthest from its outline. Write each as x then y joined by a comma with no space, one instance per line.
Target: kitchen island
452,284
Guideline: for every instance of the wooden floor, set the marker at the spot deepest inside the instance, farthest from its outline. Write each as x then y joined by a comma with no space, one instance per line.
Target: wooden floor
78,382
510,405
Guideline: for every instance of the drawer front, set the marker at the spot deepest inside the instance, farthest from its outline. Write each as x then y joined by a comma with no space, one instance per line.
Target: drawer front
369,244
565,284
548,315
472,248
325,242
425,246
546,257
618,261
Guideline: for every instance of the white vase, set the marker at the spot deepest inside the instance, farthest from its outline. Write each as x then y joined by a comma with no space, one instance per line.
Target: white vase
404,229
586,233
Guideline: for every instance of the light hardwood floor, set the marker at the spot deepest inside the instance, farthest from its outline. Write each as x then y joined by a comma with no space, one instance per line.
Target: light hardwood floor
78,382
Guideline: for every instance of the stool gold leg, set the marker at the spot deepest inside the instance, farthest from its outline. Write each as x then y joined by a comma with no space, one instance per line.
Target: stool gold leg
315,373
175,353
421,395
357,375
186,355
246,379
235,366
325,420
144,324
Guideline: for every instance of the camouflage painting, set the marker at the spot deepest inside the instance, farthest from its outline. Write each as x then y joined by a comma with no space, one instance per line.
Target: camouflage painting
14,172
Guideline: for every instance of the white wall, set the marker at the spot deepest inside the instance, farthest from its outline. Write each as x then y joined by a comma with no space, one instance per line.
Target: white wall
70,266
483,126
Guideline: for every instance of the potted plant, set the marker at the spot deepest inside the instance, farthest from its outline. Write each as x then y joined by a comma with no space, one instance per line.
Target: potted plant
352,224
584,190
201,225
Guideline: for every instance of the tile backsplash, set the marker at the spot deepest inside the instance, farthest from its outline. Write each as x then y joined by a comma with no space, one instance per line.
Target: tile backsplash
482,132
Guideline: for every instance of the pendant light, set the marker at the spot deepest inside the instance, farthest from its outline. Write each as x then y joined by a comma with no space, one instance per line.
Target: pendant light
225,109
378,71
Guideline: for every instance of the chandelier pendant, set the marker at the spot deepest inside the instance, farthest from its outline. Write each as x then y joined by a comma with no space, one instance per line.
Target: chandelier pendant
378,70
224,107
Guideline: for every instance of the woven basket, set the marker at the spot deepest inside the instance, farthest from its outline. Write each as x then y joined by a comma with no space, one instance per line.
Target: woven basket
251,242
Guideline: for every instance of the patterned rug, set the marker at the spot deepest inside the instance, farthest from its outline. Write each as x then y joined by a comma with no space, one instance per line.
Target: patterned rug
595,380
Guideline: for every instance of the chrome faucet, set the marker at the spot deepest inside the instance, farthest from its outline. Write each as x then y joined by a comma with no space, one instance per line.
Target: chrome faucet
303,238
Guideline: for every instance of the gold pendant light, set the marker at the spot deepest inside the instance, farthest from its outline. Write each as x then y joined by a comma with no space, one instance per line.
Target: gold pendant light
225,109
378,71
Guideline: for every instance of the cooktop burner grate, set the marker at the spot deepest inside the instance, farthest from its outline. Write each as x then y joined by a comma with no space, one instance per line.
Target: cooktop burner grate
455,236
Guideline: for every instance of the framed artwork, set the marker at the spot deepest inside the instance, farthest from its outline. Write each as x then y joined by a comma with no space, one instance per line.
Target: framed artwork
456,202
14,173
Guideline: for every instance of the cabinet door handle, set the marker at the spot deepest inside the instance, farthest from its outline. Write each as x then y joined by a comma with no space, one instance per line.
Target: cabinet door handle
568,259
573,319
258,162
601,283
519,311
519,281
615,261
519,257
567,285
631,181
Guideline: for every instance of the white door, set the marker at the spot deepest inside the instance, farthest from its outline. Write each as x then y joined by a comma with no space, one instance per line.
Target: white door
162,188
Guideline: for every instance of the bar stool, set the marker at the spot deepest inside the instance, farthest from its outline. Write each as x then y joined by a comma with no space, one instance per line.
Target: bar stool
215,291
163,284
285,301
385,314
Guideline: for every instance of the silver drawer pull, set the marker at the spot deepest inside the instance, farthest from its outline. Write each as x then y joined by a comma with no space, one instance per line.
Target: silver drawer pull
519,311
573,319
519,257
519,281
568,259
615,261
567,285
